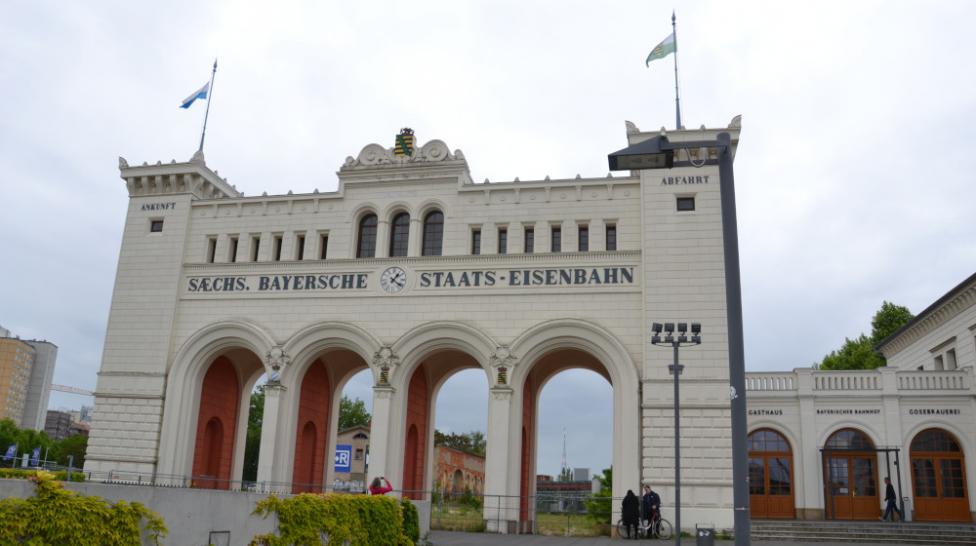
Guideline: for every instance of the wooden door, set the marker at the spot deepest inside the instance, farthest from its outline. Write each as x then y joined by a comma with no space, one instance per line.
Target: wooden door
852,486
770,476
939,477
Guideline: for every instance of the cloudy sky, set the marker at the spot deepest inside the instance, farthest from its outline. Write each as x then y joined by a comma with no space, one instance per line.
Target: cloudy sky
853,173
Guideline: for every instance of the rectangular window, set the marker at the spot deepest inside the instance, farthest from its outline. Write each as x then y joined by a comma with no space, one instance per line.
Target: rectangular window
255,246
939,364
155,226
584,238
686,204
211,249
557,239
232,253
503,240
300,247
324,247
475,241
276,249
951,359
611,236
529,240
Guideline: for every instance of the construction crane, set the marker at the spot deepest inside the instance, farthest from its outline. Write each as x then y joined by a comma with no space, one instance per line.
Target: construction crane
71,390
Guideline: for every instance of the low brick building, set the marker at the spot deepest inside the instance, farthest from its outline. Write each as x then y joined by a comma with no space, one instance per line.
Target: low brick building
458,471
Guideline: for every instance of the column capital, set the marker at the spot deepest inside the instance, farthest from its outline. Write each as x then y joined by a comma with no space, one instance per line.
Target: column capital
386,360
502,360
501,393
383,391
275,360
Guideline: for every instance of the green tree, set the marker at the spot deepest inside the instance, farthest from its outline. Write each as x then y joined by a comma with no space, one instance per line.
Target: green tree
252,443
470,442
598,506
859,353
352,413
888,319
73,446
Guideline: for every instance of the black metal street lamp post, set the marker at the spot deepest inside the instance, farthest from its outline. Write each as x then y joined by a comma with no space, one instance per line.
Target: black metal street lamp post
682,339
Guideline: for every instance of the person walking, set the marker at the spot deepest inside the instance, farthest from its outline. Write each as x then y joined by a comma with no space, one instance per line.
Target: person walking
380,486
630,509
891,502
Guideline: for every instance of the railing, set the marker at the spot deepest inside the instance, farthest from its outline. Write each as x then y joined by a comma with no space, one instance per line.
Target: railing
847,381
935,380
785,381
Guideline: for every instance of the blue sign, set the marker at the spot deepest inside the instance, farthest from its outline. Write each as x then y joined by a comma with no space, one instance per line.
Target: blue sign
35,456
11,452
343,458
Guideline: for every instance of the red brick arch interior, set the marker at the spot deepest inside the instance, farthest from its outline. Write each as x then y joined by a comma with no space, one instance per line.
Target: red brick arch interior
313,424
542,370
216,424
435,368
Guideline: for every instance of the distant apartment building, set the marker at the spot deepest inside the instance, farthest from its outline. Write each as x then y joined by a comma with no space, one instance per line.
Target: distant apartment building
26,372
58,424
16,361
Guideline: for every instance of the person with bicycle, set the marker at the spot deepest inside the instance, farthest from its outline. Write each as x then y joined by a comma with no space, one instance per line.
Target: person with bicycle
650,506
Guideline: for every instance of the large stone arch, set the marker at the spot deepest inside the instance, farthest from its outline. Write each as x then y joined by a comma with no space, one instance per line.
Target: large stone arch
621,371
304,348
413,348
968,450
184,383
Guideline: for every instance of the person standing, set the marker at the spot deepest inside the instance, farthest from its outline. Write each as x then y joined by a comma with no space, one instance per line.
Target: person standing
631,514
891,501
650,506
380,486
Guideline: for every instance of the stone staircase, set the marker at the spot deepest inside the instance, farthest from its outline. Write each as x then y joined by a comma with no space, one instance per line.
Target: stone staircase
864,531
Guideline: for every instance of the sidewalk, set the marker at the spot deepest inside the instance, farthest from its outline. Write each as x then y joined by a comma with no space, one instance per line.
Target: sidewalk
447,538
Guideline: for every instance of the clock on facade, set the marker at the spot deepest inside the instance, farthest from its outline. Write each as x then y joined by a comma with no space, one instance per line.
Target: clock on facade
393,279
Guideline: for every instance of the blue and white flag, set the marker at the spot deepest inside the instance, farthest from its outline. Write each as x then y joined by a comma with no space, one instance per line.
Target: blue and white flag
11,452
198,94
35,456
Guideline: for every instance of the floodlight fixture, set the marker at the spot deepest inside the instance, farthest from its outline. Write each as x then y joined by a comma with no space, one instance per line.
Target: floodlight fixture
656,327
696,327
682,327
669,327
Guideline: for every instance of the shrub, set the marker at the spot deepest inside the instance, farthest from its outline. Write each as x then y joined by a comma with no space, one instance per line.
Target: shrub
58,516
411,520
25,474
310,519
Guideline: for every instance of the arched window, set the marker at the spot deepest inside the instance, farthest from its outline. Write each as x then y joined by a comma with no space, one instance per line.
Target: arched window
400,235
433,233
366,245
770,475
939,477
850,439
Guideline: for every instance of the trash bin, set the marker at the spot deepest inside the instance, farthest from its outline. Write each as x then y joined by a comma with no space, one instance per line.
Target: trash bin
906,510
704,536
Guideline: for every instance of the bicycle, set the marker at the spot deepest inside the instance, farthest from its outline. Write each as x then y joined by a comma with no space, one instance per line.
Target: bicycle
660,529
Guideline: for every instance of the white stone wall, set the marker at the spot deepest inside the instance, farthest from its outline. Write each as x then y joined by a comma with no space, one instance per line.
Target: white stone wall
890,406
955,331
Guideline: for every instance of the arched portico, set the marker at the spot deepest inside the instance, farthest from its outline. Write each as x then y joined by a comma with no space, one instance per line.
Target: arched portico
542,352
237,344
430,353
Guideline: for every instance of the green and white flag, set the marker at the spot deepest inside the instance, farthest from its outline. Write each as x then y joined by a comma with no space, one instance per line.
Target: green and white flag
662,50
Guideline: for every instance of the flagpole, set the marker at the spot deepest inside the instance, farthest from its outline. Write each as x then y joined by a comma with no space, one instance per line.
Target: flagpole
203,134
677,100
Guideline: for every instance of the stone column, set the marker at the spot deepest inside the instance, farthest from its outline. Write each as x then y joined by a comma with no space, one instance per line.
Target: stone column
415,237
807,460
380,461
382,239
270,435
500,516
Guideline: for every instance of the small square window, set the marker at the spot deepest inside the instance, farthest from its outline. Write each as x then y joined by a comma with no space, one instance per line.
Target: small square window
155,226
686,204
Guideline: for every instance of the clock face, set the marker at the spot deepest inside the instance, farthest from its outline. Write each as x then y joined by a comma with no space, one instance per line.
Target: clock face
393,279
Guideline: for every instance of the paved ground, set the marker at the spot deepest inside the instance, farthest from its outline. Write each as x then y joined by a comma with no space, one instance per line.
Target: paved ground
446,538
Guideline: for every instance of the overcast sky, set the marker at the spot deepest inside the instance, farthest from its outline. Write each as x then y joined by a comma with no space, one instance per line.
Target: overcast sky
854,176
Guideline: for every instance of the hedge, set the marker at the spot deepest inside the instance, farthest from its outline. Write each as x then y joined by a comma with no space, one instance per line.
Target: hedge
411,520
26,474
314,520
55,515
